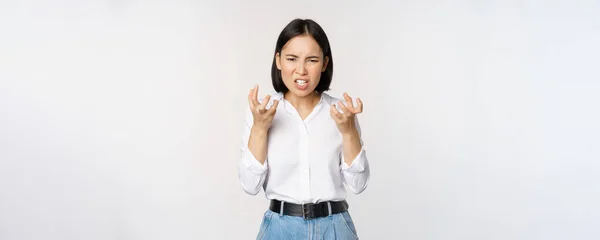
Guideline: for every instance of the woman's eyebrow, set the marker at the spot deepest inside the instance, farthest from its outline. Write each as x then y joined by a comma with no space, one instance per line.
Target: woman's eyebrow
292,55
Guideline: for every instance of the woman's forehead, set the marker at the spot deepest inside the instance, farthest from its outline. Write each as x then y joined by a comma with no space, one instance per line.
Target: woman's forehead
302,45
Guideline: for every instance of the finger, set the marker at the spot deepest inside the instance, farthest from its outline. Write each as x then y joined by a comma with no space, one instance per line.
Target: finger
359,106
345,109
273,108
263,106
335,113
250,102
348,100
255,96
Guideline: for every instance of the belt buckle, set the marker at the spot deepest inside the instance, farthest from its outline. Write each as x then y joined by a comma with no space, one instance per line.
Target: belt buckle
305,214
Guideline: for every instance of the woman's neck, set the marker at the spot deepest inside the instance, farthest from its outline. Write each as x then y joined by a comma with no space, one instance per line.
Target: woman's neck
307,102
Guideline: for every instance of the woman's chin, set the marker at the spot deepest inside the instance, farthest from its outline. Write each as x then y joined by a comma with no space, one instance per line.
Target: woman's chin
302,92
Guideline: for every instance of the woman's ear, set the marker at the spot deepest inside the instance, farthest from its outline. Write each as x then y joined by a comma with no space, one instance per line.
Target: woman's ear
325,62
278,61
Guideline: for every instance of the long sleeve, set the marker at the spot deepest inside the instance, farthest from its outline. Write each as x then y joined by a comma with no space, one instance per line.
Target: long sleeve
251,172
357,175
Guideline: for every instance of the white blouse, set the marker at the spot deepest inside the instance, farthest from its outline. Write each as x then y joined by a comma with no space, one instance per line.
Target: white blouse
305,162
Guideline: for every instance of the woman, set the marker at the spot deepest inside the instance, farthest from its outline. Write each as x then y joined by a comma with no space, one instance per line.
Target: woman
300,144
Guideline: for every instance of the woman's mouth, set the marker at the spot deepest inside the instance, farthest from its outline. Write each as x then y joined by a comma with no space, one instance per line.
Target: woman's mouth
301,84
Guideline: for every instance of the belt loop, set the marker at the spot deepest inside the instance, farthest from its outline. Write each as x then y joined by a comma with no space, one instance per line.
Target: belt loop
281,209
329,208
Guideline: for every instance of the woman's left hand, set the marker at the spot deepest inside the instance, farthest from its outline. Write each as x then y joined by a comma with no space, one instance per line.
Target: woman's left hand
345,120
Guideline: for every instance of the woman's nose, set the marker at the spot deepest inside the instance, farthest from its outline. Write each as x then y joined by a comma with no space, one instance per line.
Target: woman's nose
301,69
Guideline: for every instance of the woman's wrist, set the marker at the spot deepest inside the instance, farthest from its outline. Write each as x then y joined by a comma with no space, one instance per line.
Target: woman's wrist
259,130
350,134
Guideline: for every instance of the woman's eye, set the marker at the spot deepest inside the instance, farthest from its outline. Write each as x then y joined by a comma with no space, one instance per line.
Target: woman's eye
291,59
313,60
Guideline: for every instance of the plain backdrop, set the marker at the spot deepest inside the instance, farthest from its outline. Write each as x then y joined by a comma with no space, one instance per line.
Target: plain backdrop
122,119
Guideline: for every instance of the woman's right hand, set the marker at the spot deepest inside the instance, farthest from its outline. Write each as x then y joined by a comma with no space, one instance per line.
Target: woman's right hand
263,117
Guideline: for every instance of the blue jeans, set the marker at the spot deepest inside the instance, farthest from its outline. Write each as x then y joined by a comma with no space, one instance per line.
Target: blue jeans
336,226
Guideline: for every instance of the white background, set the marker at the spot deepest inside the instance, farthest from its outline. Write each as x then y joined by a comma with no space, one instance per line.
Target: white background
122,119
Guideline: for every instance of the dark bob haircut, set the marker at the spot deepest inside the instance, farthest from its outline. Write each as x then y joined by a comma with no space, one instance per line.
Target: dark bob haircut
295,28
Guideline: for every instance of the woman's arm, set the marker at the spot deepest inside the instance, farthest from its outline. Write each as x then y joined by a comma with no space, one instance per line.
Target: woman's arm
354,167
258,143
351,145
252,168
354,163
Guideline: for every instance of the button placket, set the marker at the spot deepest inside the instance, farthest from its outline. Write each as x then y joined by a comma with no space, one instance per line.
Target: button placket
304,156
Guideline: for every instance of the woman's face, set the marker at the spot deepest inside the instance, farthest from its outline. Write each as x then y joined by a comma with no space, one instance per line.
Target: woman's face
301,62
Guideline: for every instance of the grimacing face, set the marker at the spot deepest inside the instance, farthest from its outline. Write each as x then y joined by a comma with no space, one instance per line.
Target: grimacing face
301,62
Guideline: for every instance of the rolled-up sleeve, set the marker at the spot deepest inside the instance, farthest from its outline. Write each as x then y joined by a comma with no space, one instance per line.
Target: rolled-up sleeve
250,171
357,175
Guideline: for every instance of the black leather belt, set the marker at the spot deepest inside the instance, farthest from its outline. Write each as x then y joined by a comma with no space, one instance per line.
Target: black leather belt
309,210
